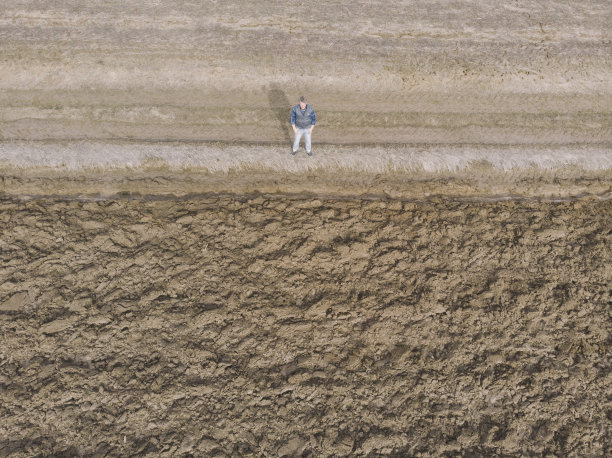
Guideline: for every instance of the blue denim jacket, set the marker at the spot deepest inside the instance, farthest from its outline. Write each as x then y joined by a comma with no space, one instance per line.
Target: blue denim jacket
297,107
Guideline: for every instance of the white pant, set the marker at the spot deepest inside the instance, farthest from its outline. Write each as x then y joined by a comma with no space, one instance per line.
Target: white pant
298,135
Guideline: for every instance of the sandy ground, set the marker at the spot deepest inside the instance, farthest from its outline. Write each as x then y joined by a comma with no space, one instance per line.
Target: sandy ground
375,71
434,281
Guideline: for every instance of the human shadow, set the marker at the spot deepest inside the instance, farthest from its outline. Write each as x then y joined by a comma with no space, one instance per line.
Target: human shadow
280,105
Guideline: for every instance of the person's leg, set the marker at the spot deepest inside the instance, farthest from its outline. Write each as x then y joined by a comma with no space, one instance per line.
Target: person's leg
296,141
308,136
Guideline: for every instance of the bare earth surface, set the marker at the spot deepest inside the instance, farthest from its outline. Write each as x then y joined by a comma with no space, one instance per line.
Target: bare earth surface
376,71
227,326
434,281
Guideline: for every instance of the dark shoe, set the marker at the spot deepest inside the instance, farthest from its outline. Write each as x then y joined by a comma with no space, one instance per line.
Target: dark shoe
309,153
292,152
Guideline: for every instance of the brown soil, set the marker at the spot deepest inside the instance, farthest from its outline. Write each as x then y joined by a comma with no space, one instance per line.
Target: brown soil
284,326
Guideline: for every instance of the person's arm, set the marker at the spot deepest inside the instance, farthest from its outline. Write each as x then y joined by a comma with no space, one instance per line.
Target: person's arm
313,118
293,119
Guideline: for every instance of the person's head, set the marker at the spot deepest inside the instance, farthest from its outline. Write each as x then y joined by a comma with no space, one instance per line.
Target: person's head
302,102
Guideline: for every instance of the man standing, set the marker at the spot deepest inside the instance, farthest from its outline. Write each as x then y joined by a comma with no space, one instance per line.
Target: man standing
303,121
